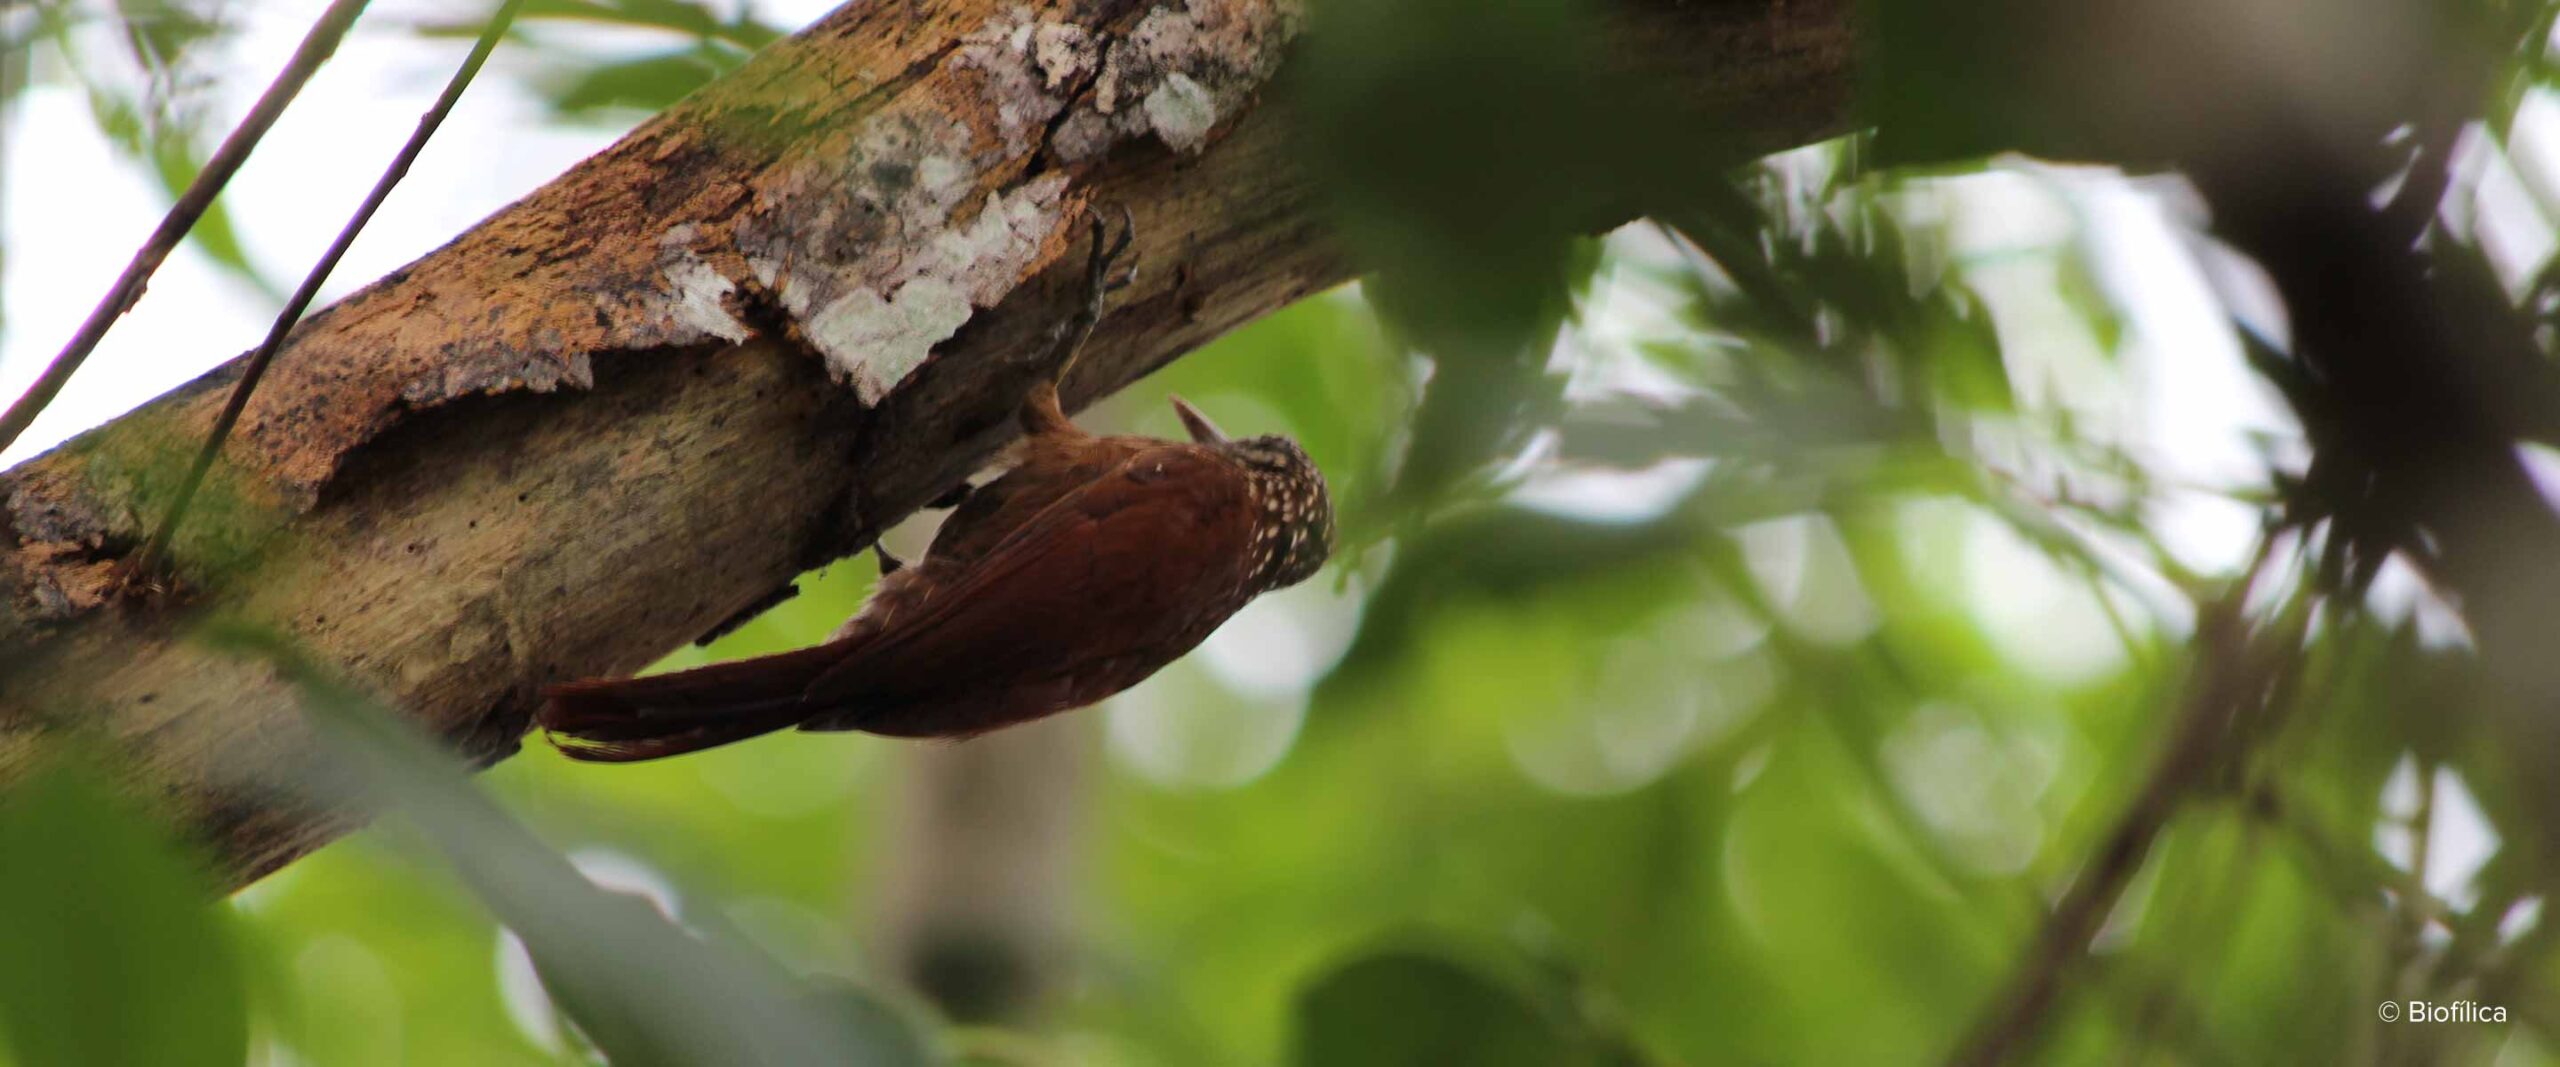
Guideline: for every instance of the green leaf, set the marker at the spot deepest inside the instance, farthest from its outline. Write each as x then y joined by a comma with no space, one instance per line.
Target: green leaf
172,155
1406,1008
649,84
160,32
2078,285
176,162
1962,349
742,32
111,950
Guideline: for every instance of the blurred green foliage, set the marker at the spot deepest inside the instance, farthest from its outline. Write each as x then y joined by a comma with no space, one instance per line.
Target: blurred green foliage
640,989
672,47
108,952
1751,619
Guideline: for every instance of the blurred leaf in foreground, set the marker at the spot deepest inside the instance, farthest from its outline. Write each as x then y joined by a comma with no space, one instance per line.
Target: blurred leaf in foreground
1465,149
584,80
1410,1004
111,950
643,989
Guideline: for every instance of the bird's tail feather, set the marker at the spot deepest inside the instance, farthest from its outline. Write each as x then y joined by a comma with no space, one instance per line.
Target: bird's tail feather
632,719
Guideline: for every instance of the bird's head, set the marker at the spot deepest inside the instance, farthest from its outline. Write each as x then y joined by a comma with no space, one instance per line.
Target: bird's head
1295,535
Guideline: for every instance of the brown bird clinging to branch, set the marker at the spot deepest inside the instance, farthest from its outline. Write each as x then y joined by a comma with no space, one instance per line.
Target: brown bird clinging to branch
1083,569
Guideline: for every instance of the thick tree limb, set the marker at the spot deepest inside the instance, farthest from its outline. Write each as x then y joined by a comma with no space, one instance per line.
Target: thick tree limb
417,499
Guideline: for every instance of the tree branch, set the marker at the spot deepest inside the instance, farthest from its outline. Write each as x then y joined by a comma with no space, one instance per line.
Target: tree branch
2237,670
602,421
260,357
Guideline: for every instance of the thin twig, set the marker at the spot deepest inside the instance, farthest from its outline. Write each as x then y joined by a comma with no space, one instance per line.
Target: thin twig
490,34
2230,676
316,48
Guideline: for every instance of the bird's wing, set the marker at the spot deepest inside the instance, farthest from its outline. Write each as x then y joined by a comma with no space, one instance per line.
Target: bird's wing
1009,504
1106,569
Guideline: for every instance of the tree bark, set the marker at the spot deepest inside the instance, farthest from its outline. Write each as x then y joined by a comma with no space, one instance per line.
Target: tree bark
603,421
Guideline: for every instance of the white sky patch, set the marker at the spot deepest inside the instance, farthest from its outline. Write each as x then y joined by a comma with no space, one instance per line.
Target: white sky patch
2511,227
1279,645
2399,594
1596,494
520,989
2541,462
2519,920
1180,729
2047,621
1804,567
2533,148
61,262
2207,422
2459,837
1608,746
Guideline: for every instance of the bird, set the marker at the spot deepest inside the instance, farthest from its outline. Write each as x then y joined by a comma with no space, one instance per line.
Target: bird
1090,563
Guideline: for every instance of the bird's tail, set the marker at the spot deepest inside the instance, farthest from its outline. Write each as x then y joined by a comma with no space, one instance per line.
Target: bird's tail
632,719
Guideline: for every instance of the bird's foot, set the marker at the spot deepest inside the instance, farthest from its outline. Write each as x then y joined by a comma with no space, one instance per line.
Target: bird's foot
1099,281
1041,411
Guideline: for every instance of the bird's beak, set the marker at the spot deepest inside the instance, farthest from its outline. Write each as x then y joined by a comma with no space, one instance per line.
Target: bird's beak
1202,430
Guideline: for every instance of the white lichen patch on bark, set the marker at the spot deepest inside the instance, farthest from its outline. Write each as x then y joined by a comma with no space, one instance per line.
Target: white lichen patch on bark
1182,112
874,335
875,342
1181,71
868,238
697,296
1063,51
1016,91
869,243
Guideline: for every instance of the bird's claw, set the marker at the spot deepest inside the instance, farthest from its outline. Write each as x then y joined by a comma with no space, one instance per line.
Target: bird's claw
1108,250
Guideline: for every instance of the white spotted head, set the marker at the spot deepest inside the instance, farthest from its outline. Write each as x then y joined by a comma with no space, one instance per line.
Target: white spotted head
1293,534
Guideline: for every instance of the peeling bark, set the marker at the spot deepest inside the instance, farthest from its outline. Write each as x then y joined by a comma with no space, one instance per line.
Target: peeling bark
602,421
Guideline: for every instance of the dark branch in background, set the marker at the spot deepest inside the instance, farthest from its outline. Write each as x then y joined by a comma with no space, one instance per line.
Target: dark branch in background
2237,679
2414,375
145,560
315,49
2417,378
